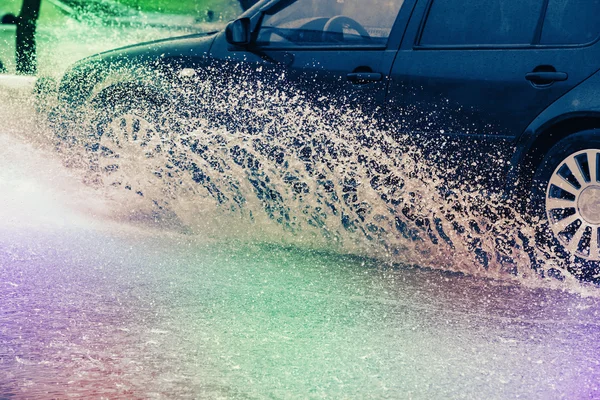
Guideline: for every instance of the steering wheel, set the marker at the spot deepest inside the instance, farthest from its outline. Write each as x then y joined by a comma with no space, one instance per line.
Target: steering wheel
335,26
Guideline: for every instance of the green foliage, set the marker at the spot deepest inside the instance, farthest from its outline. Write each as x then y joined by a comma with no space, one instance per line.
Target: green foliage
12,6
188,7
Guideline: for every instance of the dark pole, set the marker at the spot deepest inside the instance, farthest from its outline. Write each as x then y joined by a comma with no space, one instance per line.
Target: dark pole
26,21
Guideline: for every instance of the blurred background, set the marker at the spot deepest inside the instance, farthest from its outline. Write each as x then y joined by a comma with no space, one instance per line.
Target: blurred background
68,30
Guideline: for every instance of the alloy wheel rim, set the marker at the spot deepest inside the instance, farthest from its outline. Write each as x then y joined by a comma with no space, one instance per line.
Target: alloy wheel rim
130,147
573,204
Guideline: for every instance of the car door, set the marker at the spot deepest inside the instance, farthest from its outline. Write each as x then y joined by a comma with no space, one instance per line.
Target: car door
482,70
336,50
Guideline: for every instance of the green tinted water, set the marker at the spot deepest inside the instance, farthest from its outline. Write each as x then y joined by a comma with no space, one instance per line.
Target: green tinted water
132,315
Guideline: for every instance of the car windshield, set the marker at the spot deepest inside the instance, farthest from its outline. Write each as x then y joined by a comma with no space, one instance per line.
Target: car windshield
315,22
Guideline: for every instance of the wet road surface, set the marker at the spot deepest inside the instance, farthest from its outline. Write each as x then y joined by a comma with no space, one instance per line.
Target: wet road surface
96,307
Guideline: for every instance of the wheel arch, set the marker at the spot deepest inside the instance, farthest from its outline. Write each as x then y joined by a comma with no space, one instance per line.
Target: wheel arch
534,145
110,95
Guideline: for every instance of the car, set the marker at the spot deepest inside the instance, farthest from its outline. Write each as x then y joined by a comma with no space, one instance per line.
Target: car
510,86
246,4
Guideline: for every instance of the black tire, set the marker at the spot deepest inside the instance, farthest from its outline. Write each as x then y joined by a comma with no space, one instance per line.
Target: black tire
129,142
552,241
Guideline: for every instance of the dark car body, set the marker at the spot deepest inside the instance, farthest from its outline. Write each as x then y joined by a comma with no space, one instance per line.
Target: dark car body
502,82
467,88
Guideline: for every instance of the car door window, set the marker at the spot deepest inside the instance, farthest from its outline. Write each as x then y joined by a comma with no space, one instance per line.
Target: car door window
328,22
481,22
571,22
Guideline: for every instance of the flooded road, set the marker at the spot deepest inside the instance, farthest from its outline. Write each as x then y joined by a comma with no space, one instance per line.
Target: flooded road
94,307
100,300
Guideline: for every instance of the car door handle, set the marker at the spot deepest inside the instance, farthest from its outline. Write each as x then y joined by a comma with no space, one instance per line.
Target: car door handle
364,77
546,77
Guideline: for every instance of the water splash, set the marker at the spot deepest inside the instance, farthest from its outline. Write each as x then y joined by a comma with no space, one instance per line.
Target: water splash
263,161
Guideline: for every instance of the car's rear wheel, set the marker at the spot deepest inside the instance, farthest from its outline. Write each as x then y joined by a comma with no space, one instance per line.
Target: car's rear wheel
566,198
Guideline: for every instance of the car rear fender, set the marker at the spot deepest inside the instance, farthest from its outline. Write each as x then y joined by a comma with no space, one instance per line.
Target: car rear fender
577,110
